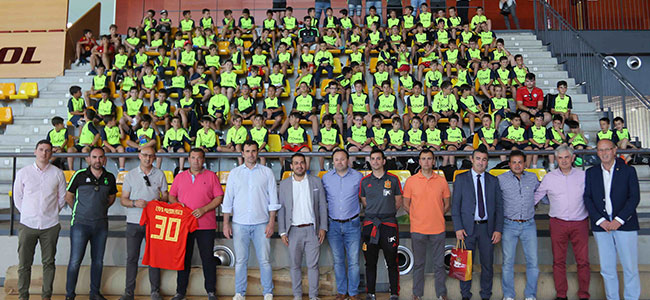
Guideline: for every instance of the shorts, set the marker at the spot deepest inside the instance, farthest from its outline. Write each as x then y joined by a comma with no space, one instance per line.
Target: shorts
80,147
116,145
555,146
306,117
520,112
175,148
504,145
500,112
296,148
347,147
211,149
277,113
247,111
75,120
279,6
186,68
354,9
202,90
389,148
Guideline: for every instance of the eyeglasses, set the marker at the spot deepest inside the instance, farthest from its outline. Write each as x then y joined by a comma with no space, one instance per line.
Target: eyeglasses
146,180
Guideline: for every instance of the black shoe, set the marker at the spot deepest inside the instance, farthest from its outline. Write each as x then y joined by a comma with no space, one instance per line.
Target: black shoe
465,298
97,297
127,297
69,297
212,296
582,298
560,298
178,297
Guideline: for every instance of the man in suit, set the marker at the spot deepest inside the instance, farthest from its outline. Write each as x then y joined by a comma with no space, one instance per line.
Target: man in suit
611,197
302,223
477,213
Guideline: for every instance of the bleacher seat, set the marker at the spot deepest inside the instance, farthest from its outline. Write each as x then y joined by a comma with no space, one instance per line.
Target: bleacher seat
7,90
275,143
6,115
27,90
68,175
119,181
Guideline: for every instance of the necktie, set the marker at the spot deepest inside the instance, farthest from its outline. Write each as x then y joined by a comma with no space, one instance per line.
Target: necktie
479,193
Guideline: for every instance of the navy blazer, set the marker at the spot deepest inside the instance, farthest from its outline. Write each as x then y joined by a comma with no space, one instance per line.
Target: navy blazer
463,205
624,195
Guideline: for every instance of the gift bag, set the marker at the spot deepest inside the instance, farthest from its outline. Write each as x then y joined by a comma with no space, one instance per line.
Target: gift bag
460,266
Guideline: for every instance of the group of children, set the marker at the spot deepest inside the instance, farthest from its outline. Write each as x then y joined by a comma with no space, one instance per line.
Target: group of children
443,65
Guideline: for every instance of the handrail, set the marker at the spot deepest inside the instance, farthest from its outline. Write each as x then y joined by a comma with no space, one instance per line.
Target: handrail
547,23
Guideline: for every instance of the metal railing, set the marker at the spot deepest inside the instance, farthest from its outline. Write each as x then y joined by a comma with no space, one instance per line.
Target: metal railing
597,76
604,14
12,215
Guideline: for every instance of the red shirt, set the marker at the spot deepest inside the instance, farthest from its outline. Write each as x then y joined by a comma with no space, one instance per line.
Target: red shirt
88,46
198,192
167,229
530,99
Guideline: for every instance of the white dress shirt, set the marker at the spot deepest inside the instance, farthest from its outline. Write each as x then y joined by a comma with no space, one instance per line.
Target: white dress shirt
250,195
39,195
303,209
474,178
608,175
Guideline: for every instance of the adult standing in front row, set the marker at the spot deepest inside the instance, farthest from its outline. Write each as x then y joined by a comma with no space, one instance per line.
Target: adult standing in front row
426,200
611,197
141,185
302,223
477,213
568,222
91,192
518,190
252,200
39,196
344,229
200,190
381,195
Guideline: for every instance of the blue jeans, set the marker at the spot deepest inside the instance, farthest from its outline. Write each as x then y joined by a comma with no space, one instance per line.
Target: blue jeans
624,245
525,232
242,236
345,240
80,235
320,7
416,5
377,5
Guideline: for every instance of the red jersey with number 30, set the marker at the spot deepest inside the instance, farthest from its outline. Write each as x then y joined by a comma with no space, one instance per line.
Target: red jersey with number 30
167,229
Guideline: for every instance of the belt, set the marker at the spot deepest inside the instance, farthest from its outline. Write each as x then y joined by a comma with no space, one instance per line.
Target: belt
518,221
303,225
346,220
480,222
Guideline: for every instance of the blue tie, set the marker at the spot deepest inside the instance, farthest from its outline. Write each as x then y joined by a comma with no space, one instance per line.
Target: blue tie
479,193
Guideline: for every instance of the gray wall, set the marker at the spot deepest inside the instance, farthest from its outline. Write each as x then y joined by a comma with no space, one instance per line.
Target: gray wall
77,8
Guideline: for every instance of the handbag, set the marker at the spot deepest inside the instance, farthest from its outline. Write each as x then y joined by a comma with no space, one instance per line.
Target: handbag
460,265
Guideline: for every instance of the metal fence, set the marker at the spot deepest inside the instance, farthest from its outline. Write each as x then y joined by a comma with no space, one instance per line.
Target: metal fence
604,14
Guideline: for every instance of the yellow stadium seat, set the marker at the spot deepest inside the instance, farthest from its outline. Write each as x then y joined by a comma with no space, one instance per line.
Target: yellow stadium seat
222,47
373,65
323,86
459,172
287,89
275,144
27,90
365,172
6,90
309,143
223,176
476,141
322,173
272,121
118,112
6,115
439,173
497,172
401,174
286,174
247,46
68,175
242,68
169,176
120,177
337,66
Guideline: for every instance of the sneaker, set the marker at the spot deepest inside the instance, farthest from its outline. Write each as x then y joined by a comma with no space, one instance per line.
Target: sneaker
371,297
340,297
530,298
178,297
127,297
297,297
238,296
79,64
442,298
508,298
268,297
393,297
92,73
416,297
156,296
69,297
314,298
212,296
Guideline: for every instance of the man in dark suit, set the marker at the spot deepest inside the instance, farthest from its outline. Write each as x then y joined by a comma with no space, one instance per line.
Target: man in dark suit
302,223
477,213
611,197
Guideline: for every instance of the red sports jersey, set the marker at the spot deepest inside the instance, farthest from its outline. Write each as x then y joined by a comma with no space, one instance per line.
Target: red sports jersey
167,229
530,98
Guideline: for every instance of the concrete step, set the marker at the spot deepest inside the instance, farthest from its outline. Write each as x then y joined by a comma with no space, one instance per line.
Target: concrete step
20,140
539,62
18,129
74,79
51,102
522,43
65,87
32,120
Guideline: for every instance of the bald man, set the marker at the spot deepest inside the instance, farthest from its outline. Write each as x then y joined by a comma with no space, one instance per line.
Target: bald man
143,184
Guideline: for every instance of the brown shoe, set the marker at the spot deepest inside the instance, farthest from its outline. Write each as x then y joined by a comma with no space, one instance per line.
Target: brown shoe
416,297
340,297
355,297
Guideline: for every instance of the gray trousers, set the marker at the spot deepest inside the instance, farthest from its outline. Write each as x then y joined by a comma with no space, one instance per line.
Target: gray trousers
134,236
435,243
513,13
303,240
27,240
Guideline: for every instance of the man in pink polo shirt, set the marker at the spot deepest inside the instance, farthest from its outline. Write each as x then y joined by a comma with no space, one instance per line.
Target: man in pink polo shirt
200,190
